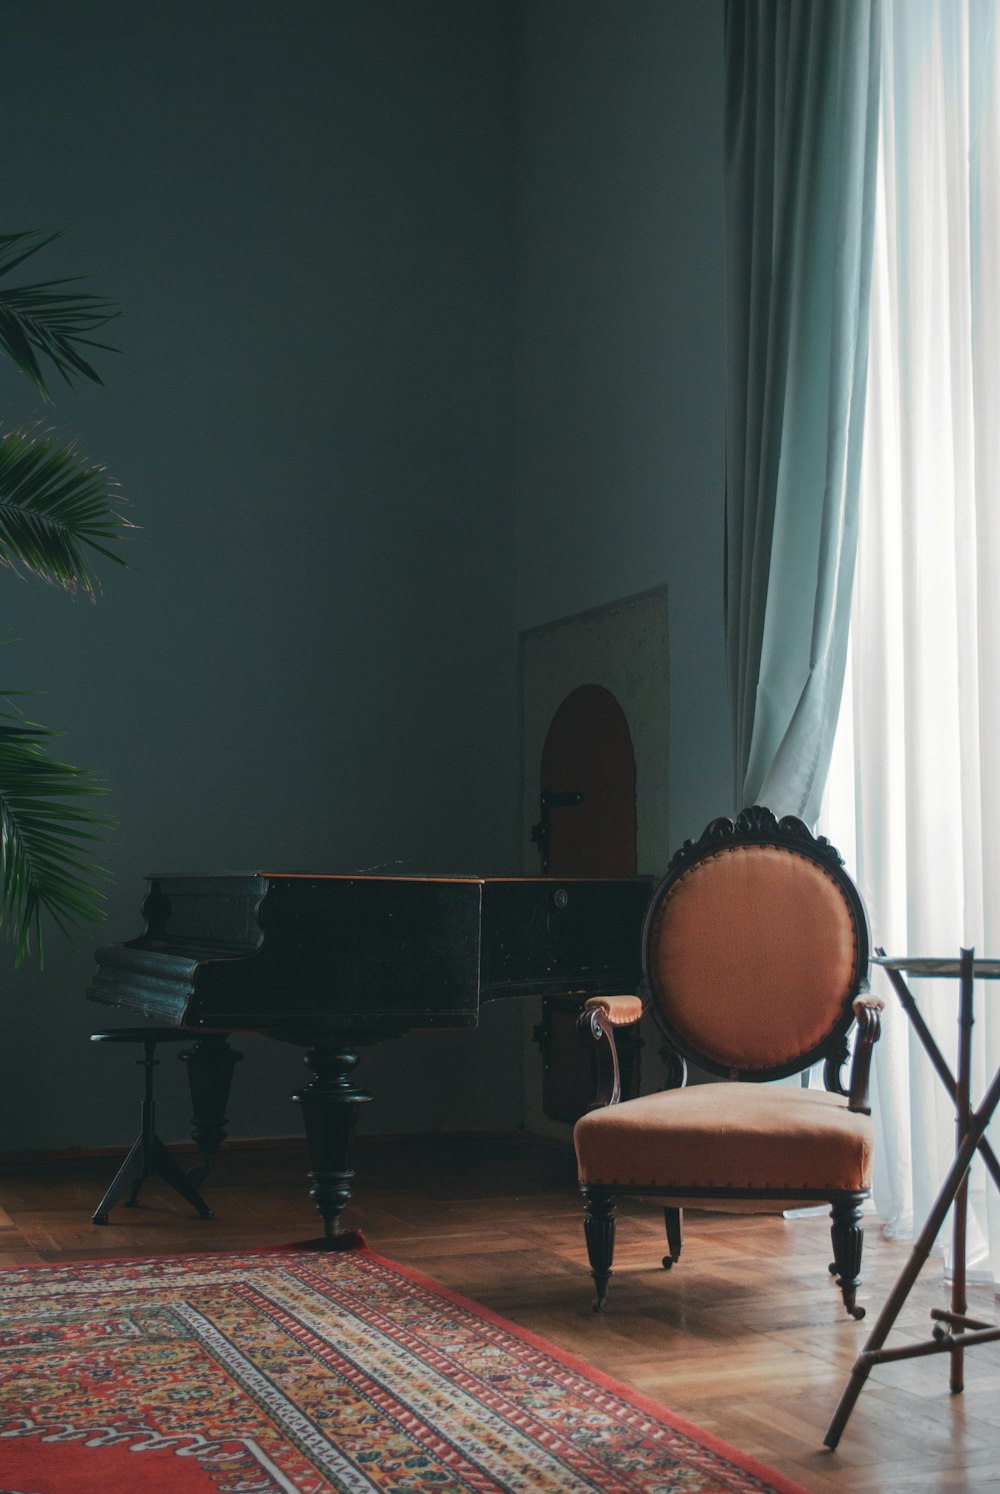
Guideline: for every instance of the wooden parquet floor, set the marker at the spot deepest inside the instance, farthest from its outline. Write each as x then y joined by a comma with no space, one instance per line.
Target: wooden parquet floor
746,1336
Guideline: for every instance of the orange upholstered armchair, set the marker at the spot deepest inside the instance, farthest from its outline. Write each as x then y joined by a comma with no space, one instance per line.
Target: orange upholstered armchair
755,967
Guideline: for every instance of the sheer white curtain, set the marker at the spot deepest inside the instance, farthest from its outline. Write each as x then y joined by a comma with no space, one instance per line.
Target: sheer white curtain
913,799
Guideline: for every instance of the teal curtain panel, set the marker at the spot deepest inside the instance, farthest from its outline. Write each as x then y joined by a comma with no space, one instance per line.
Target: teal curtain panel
801,138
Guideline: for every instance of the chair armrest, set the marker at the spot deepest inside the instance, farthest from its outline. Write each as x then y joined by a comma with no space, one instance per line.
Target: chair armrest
597,1022
620,1011
867,1010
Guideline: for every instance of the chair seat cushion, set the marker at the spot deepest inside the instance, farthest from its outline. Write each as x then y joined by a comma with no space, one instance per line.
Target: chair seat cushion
744,1138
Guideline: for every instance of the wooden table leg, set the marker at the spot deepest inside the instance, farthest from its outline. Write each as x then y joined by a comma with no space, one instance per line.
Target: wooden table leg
963,1110
873,1352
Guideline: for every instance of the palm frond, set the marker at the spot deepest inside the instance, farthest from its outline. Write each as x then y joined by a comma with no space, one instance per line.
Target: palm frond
46,866
53,506
47,319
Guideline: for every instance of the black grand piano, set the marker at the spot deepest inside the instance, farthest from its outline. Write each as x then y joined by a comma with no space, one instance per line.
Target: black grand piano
337,963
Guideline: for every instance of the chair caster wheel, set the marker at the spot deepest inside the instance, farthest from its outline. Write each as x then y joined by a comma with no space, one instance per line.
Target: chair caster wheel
668,1261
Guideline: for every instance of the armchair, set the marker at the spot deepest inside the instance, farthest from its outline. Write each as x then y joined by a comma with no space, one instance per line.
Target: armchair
755,952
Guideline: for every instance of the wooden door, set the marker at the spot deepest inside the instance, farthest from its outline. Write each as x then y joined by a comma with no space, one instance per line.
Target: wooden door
586,828
588,752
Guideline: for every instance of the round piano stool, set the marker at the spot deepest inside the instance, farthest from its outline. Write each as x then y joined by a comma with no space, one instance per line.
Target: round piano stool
148,1155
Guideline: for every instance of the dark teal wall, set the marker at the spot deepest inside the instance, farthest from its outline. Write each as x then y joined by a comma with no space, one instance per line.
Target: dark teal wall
305,212
310,213
621,343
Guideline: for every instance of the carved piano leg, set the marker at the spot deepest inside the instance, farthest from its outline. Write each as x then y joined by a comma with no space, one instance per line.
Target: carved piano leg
210,1065
330,1104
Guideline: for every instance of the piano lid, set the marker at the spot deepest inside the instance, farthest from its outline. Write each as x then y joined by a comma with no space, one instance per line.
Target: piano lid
370,953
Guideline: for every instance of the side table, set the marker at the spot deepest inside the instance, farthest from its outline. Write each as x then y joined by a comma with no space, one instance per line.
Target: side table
954,1331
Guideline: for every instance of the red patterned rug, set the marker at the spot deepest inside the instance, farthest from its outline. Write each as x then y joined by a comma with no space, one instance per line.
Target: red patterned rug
306,1371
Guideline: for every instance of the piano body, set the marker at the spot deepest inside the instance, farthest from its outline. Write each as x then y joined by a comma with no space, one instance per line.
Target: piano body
336,963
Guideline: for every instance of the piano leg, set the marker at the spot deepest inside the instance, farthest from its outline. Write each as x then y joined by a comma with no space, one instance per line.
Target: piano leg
330,1104
210,1064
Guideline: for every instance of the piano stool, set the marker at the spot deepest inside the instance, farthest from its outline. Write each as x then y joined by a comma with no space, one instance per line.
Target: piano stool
148,1154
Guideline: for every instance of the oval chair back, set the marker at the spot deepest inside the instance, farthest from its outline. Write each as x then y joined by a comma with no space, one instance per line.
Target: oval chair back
755,945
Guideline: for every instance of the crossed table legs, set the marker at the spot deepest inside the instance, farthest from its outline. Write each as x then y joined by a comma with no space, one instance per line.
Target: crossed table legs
954,1330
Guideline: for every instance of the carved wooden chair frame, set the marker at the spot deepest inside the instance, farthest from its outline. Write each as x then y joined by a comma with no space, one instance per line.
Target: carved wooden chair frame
603,1015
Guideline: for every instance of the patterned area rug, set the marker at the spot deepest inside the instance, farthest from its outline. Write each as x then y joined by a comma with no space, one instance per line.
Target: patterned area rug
307,1371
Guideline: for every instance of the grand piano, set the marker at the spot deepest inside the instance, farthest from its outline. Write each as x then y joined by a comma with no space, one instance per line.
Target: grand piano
337,963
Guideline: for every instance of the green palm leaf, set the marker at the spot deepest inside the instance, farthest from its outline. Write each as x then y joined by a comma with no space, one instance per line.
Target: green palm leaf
46,319
45,833
56,513
53,506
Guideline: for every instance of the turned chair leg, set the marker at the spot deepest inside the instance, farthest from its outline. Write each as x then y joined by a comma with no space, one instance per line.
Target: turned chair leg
599,1230
848,1239
673,1219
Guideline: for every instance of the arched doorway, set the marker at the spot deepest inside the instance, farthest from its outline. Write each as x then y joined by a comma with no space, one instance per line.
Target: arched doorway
587,823
586,828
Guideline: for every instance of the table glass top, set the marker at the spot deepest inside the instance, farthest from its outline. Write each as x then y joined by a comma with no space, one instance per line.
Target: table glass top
982,969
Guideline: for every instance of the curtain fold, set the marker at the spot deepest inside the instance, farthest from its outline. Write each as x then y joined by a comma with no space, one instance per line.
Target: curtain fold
801,136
